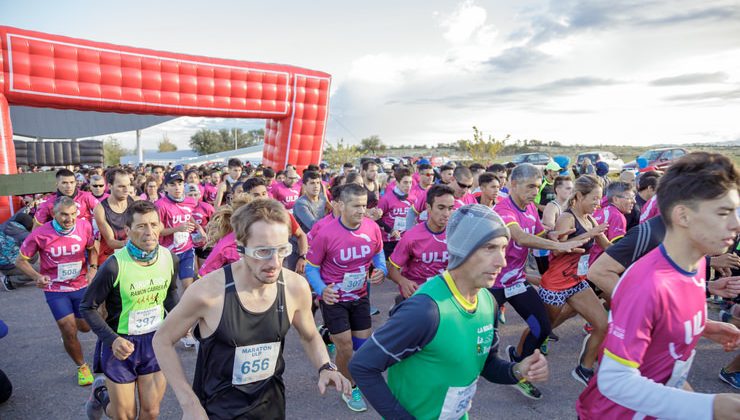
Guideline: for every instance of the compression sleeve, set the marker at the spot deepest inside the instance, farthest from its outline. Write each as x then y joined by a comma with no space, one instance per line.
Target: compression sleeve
171,299
313,274
497,370
97,292
379,262
411,218
627,387
412,325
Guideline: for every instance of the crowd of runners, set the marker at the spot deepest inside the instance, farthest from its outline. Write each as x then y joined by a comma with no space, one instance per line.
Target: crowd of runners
224,261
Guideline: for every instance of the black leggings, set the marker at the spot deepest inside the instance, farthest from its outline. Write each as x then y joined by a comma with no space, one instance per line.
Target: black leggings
530,307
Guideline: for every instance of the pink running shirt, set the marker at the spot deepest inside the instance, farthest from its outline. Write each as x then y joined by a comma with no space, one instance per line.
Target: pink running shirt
61,257
285,195
85,205
317,226
223,253
650,209
394,213
421,253
516,256
657,315
209,193
173,214
344,256
616,230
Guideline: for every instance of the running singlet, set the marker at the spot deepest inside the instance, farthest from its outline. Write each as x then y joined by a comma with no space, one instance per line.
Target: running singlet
344,256
657,315
223,253
650,209
616,230
394,213
61,257
85,205
171,214
117,223
287,196
567,270
143,290
516,256
239,370
421,253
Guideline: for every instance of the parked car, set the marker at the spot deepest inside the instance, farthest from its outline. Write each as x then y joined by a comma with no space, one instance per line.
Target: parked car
659,158
536,159
615,164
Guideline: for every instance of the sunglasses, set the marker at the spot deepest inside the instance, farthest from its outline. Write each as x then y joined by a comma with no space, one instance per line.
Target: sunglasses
464,186
265,252
429,174
97,186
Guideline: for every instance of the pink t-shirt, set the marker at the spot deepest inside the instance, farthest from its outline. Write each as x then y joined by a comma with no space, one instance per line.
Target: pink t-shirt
650,209
516,256
468,198
417,192
202,213
209,193
420,206
61,257
223,253
173,214
284,194
85,205
657,315
318,225
344,256
421,253
394,213
616,230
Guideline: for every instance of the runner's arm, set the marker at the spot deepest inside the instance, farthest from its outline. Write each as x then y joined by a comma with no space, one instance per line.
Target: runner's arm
97,292
411,218
498,370
171,299
412,325
105,230
313,344
303,215
313,274
531,241
302,240
379,262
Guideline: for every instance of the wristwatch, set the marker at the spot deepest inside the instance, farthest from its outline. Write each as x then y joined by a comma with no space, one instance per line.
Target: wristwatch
302,256
517,372
95,266
328,366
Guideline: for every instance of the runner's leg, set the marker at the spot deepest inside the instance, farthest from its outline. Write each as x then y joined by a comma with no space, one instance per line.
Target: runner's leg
68,328
151,390
589,307
530,307
122,400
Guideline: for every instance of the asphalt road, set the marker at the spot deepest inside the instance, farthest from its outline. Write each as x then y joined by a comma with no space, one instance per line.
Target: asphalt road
44,378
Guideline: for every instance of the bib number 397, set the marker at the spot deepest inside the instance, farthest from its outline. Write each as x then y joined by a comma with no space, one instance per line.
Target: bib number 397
254,363
144,321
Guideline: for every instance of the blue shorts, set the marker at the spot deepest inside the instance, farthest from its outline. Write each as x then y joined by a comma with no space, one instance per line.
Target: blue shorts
65,303
186,267
141,362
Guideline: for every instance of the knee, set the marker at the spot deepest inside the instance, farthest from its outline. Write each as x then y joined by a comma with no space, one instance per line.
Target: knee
343,344
122,412
68,330
149,413
83,327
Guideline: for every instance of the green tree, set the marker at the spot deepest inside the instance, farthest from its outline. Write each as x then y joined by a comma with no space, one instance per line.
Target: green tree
207,141
165,145
338,154
481,149
113,151
372,145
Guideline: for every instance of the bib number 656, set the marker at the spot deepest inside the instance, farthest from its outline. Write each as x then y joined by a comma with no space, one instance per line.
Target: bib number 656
255,366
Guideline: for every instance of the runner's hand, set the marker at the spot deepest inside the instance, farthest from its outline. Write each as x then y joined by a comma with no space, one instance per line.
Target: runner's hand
377,276
122,348
534,367
191,225
726,406
727,287
194,411
572,246
90,274
341,383
42,281
723,333
408,288
396,234
555,235
597,230
300,266
731,261
329,295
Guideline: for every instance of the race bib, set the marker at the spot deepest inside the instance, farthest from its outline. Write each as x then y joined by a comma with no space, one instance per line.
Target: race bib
68,271
254,363
458,401
144,321
514,290
180,238
353,281
399,224
583,264
681,371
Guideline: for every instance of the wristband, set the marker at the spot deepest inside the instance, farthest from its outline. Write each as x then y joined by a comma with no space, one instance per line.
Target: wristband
328,366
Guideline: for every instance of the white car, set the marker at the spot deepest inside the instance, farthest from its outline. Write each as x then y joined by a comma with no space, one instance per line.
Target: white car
615,164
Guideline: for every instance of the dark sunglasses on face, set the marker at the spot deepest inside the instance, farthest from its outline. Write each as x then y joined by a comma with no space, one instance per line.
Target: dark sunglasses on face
464,186
98,186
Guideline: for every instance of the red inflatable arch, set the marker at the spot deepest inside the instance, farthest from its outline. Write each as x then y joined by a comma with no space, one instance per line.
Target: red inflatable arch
54,71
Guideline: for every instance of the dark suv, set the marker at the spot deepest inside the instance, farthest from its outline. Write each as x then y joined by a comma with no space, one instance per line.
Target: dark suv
659,158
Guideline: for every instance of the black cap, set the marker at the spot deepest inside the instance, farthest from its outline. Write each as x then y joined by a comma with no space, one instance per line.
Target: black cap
172,177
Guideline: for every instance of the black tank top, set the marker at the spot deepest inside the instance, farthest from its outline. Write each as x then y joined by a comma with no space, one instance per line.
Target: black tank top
116,220
252,334
580,230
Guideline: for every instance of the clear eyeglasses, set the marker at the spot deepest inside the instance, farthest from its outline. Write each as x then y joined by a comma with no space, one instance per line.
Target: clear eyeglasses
265,252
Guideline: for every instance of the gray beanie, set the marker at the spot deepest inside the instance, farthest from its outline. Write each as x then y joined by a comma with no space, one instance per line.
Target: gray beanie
469,228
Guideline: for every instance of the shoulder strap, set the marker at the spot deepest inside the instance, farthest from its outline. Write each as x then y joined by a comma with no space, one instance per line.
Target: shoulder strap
228,277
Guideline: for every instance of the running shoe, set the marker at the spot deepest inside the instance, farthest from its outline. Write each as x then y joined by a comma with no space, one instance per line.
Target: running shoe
98,394
502,314
355,402
7,284
544,348
583,348
188,341
84,376
374,310
725,316
732,379
511,351
331,349
528,390
582,375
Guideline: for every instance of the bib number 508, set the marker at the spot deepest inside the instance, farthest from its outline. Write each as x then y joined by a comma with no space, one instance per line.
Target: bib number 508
255,366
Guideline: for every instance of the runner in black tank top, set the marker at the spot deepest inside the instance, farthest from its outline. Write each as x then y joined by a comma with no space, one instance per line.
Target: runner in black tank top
252,388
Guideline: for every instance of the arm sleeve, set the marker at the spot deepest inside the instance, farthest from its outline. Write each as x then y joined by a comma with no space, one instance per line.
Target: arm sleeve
97,292
411,218
379,262
384,226
627,387
498,371
412,325
313,274
171,300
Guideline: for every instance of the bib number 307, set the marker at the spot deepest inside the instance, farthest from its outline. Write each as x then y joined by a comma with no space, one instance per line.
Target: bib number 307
254,363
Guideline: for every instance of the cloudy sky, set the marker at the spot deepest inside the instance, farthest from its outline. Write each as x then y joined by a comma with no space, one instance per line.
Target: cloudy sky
422,72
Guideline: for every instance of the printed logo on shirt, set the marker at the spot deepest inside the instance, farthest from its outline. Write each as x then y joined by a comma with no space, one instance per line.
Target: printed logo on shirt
354,253
431,257
59,251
